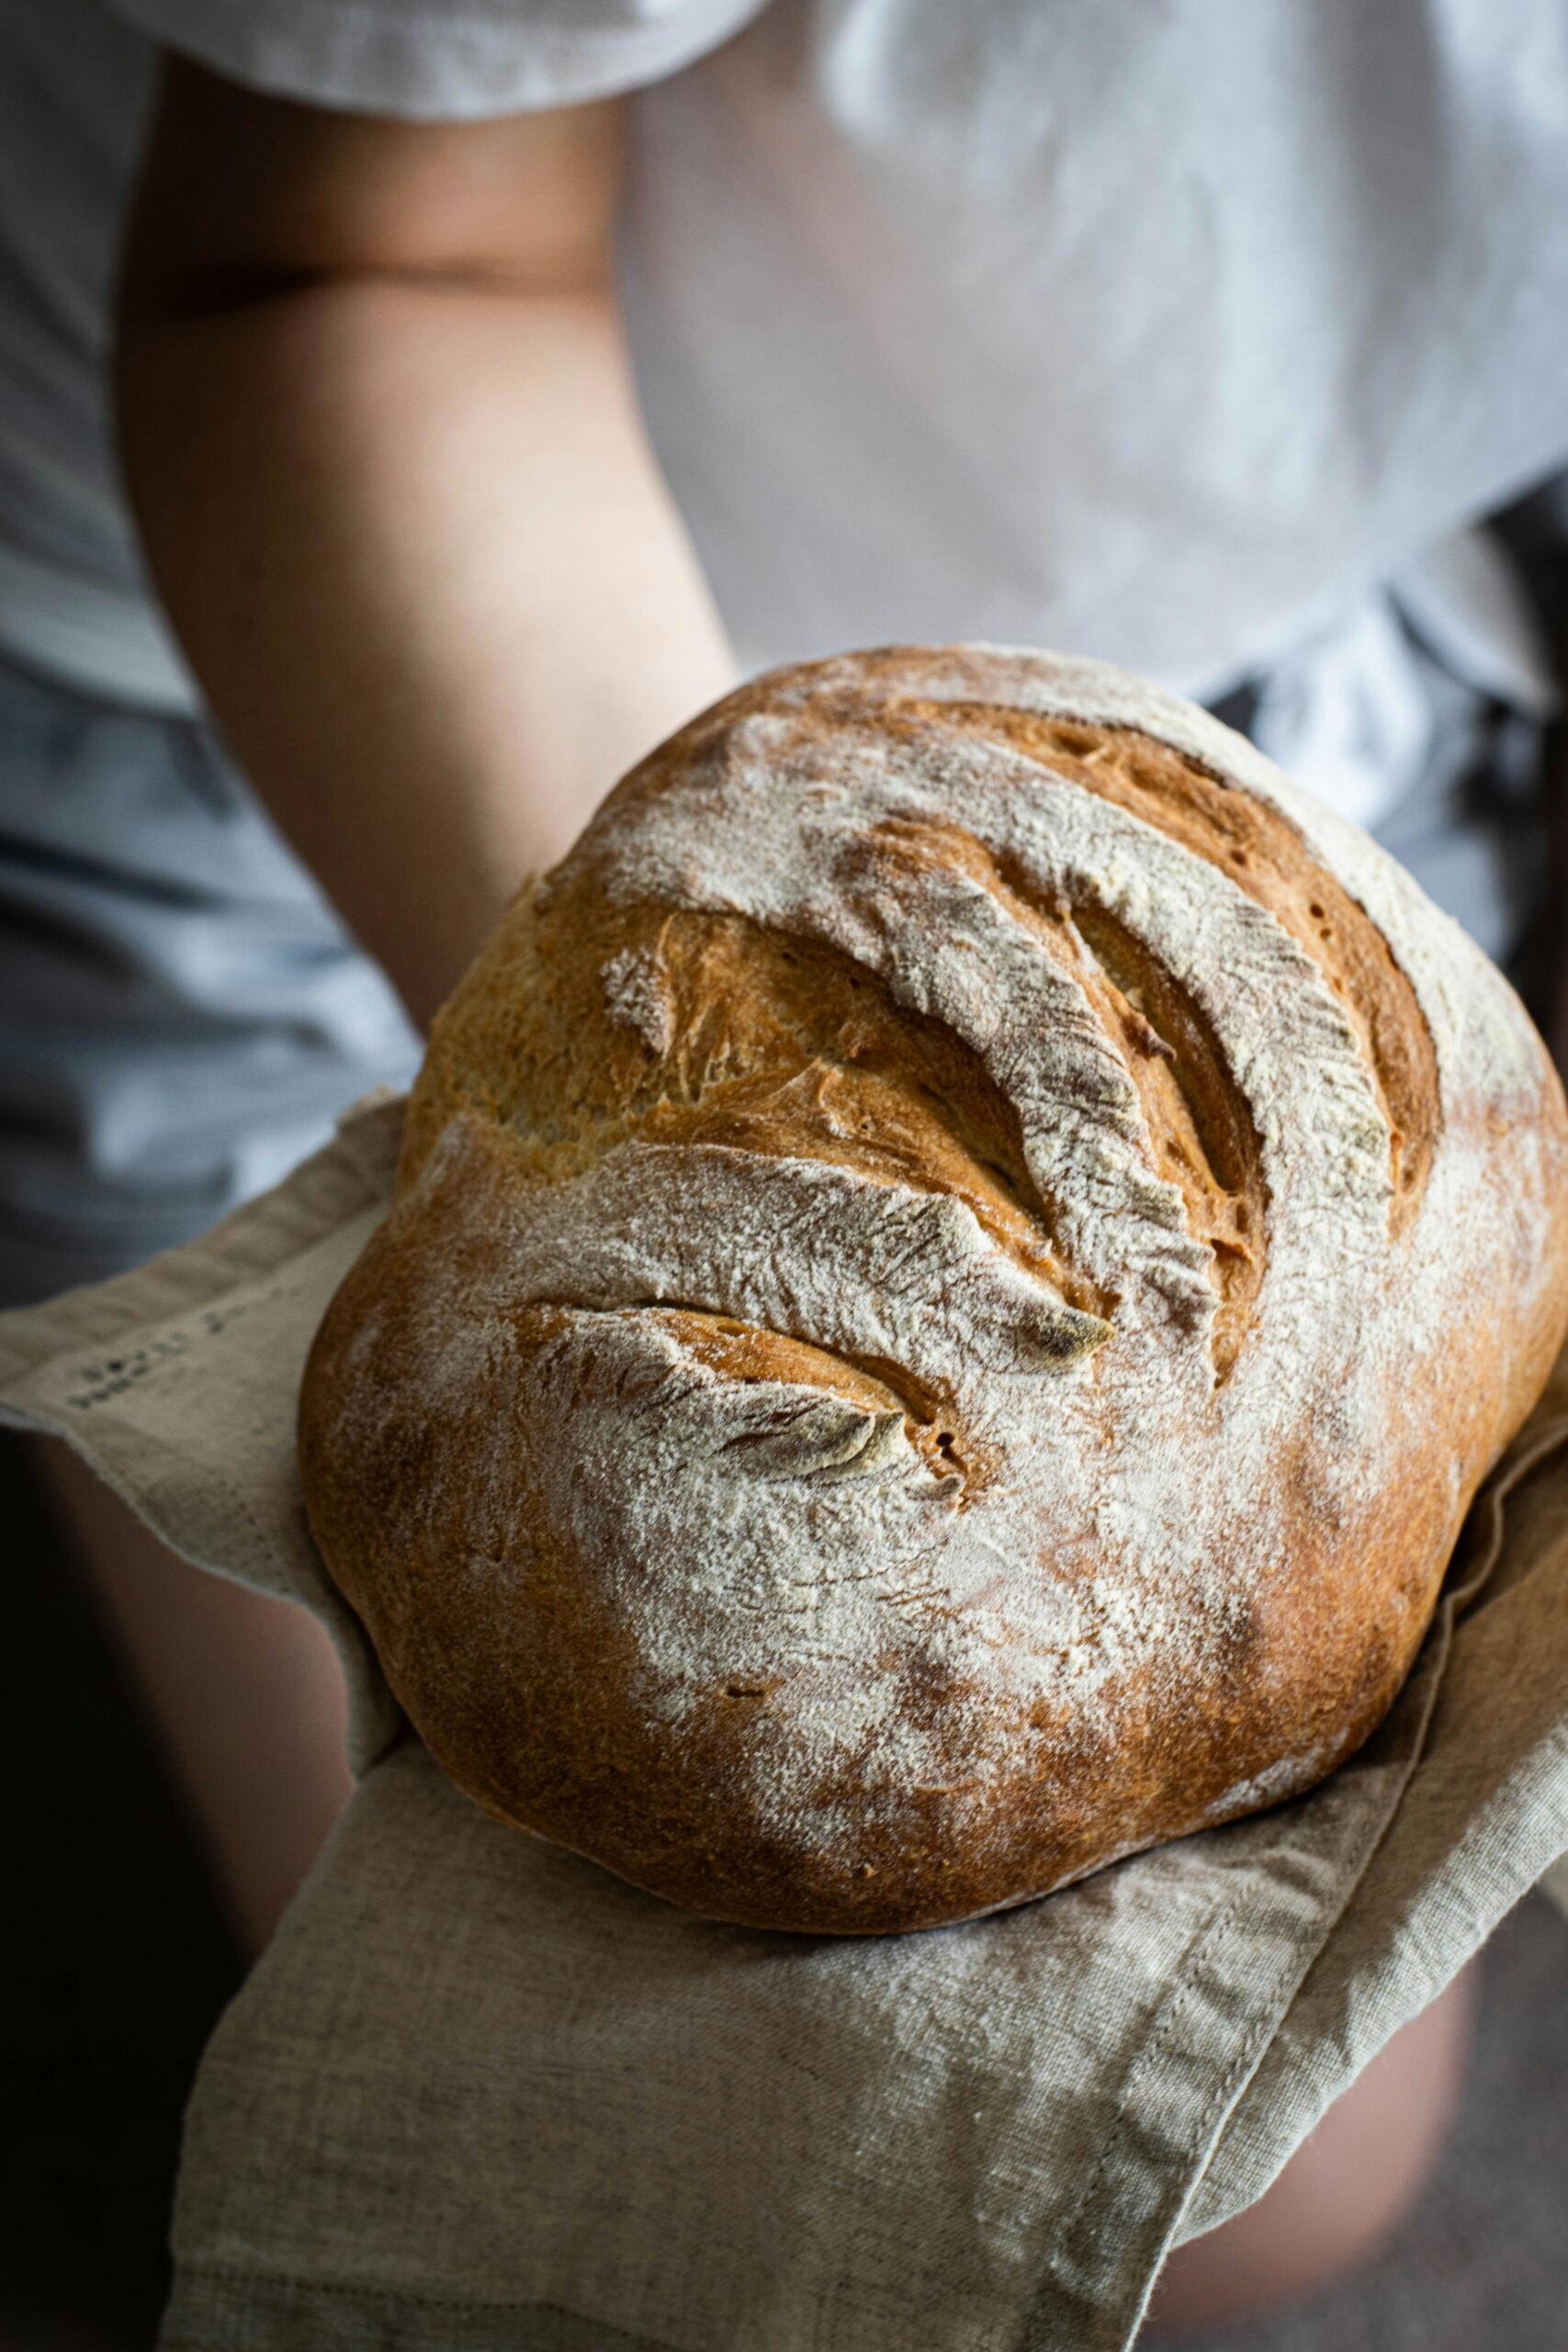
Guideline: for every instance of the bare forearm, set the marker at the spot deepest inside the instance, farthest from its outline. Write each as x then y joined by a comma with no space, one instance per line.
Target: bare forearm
423,564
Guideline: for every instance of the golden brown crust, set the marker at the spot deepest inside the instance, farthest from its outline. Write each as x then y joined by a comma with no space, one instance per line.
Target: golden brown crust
912,1361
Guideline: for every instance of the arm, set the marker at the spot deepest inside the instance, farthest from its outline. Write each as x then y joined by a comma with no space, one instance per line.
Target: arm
379,435
380,439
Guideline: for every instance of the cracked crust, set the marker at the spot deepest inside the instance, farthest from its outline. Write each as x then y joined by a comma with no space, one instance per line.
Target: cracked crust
927,1338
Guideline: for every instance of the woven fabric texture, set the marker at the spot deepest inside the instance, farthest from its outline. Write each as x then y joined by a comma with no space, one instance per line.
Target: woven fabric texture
479,2094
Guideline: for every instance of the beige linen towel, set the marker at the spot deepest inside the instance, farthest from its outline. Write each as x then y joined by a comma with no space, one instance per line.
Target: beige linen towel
479,2095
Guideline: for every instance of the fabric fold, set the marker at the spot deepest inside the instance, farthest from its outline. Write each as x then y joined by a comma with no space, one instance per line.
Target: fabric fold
480,2094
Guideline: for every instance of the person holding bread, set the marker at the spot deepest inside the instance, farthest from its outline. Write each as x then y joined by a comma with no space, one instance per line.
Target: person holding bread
409,417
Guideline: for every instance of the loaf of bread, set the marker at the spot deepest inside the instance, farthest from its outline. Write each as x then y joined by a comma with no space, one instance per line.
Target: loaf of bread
955,1268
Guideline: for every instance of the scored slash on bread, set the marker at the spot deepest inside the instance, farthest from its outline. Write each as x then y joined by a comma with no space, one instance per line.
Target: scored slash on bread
955,1268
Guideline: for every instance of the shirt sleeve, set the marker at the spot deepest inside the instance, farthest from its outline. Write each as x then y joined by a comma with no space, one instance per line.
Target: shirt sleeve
441,60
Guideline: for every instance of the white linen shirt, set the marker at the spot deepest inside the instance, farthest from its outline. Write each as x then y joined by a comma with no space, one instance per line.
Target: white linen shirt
1166,333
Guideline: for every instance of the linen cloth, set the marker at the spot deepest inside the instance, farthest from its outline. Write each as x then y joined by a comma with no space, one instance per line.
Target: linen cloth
481,2096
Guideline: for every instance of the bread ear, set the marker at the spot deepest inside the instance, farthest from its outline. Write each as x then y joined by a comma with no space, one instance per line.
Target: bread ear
819,1437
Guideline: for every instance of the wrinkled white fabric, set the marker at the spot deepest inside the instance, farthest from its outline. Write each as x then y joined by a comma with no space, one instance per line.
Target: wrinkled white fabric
1171,336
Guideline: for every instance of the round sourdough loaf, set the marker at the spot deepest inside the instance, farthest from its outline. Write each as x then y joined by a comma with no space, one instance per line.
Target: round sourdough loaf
954,1270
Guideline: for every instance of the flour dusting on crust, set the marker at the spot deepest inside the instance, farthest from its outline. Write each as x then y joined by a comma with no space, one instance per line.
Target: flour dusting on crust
636,997
1020,1416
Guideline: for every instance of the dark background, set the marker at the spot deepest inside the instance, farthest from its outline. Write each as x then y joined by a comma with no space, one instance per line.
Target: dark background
116,1963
